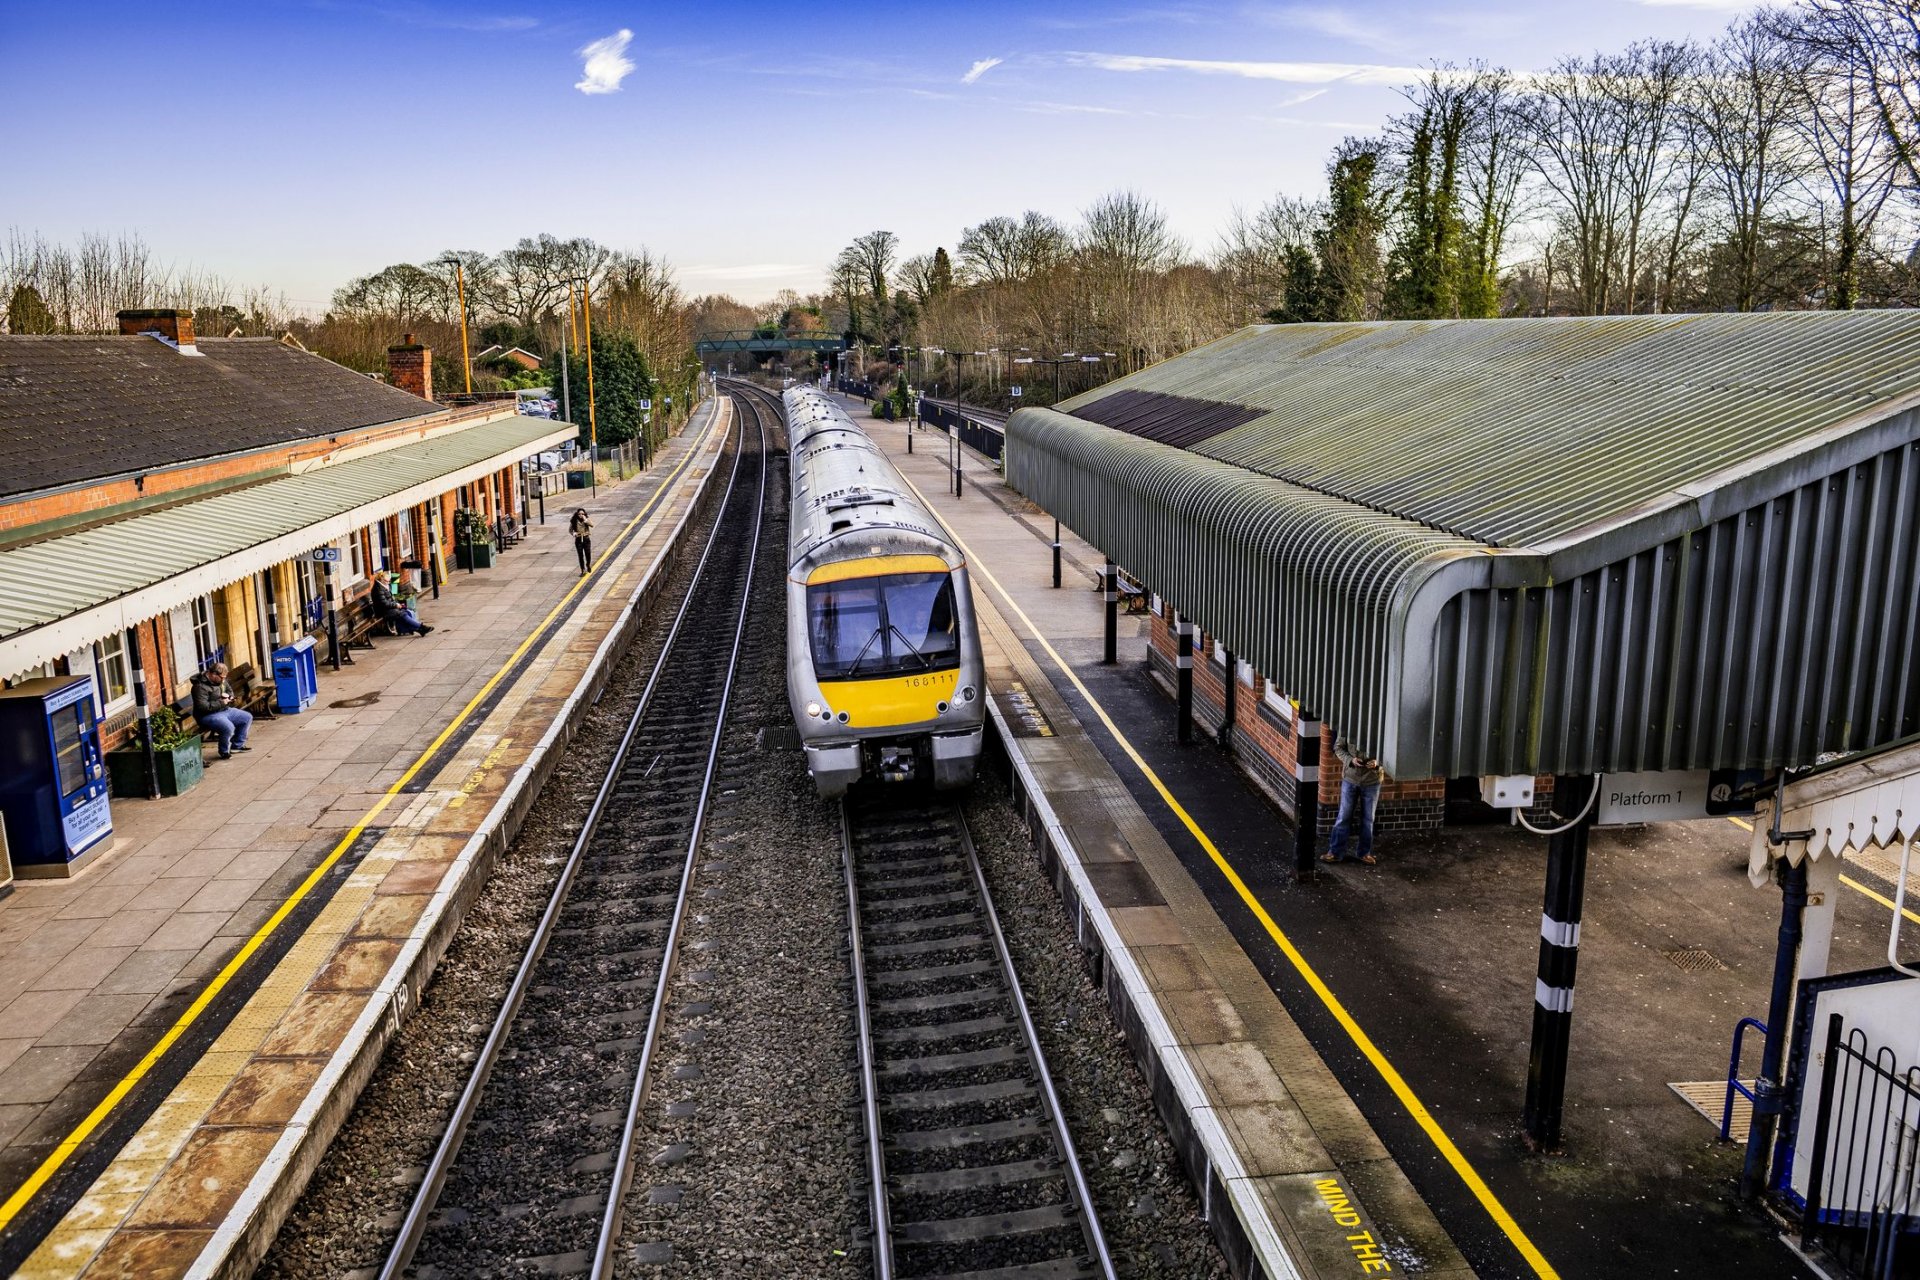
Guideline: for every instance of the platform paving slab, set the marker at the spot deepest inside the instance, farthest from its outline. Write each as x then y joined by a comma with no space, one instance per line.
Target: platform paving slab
203,1181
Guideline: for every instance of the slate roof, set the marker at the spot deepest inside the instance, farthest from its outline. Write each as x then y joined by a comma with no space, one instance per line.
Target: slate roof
83,408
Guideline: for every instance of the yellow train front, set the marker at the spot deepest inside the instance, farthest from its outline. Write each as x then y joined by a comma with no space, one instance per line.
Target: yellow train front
883,657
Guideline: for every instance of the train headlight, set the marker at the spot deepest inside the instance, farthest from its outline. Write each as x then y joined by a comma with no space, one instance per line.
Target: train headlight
813,709
967,693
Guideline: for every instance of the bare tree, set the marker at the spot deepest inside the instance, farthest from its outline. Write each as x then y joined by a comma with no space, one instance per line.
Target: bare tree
1744,111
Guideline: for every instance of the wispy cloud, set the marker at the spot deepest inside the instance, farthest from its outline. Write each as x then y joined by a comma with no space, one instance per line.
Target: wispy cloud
414,15
1287,72
1073,108
607,63
1722,6
1333,22
979,69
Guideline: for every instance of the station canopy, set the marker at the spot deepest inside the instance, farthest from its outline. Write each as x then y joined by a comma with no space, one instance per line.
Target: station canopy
1530,546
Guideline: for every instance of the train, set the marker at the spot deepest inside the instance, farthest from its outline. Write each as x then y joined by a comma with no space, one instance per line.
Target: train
884,672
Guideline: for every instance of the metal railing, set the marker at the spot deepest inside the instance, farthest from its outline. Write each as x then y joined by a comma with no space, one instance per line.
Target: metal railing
983,437
1733,1075
1862,1206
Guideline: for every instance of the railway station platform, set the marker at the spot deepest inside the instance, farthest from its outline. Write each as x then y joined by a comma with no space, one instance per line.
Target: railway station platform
184,1025
1371,1027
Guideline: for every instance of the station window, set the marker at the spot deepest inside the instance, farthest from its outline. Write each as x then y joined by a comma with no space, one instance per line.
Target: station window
356,557
1280,704
111,675
196,636
1219,651
1244,671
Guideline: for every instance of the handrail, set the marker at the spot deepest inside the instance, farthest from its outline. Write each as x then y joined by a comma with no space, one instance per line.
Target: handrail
1733,1074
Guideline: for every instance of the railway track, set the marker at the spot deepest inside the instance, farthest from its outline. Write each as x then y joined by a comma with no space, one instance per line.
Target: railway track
532,1170
971,1168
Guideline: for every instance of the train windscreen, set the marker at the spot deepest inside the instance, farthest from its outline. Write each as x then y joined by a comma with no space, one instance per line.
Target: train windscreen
889,626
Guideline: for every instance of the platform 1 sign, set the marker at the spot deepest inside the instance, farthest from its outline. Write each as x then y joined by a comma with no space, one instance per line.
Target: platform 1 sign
1628,799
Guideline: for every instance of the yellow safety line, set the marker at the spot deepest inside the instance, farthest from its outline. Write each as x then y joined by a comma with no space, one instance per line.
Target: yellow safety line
71,1143
1851,883
1395,1081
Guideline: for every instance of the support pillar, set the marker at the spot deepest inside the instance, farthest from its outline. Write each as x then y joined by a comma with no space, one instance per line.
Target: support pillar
1559,955
1183,669
1768,1097
1231,699
1306,792
1056,551
138,662
1110,592
333,618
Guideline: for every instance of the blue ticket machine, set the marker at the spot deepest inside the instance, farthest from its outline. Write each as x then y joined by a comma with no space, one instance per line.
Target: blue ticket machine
53,779
296,676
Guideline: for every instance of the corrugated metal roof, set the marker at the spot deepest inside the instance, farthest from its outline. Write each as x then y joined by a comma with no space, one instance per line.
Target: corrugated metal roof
1693,544
66,577
1527,432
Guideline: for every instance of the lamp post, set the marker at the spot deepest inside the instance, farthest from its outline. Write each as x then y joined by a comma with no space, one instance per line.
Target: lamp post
593,422
460,291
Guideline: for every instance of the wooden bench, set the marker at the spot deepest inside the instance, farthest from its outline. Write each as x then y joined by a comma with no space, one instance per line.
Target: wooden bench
1133,596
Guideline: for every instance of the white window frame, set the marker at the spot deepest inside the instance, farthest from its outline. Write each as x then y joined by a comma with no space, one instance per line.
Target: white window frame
354,562
1243,672
1219,654
1277,702
107,653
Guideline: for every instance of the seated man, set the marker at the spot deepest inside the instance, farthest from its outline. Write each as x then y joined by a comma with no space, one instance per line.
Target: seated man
213,709
389,609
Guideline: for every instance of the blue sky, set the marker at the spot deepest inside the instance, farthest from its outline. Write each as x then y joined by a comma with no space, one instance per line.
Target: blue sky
297,143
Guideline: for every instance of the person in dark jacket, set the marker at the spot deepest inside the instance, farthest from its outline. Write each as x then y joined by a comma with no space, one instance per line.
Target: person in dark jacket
1359,795
213,709
390,611
582,530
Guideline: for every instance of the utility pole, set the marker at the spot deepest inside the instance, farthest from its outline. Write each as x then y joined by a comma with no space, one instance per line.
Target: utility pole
593,424
460,287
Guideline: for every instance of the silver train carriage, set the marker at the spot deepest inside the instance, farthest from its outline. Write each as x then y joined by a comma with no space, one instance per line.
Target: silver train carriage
883,657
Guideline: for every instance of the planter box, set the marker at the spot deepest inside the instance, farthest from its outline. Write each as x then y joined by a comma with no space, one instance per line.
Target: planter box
178,769
480,553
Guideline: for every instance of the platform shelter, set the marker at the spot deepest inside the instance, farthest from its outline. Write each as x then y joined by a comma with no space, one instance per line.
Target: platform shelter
1495,551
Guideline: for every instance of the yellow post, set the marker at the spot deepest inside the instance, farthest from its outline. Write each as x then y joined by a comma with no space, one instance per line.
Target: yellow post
593,425
466,361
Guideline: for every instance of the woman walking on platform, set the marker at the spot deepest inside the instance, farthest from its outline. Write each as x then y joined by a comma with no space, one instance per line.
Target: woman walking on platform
582,530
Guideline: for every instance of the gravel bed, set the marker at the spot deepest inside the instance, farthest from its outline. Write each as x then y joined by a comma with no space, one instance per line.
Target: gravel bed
746,1165
345,1221
1148,1210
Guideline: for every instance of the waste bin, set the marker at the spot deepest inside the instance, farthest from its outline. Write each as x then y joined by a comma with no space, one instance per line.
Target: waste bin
576,479
296,676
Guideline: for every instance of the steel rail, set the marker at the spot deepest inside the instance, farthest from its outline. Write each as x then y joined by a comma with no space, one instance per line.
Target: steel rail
434,1180
603,1261
869,1078
1090,1220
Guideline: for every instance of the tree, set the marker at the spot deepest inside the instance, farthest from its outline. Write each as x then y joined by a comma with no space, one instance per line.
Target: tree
942,273
27,312
621,380
1349,274
1743,107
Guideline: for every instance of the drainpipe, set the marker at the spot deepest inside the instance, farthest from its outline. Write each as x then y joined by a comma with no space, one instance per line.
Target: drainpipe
1768,1098
1231,700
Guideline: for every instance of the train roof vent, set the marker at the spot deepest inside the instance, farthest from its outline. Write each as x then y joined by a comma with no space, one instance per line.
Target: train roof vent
857,496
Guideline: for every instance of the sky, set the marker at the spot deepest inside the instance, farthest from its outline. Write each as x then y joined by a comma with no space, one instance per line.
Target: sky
300,143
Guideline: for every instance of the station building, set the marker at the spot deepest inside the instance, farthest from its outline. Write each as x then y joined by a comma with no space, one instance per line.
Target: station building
163,498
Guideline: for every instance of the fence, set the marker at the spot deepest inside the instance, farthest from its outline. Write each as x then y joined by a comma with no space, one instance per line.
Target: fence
1862,1206
989,438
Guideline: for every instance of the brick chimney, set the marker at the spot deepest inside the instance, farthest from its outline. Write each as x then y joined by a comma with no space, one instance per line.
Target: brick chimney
175,328
410,367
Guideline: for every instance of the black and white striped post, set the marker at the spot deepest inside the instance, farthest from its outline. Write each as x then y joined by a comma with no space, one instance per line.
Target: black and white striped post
1183,668
1306,791
1110,592
1559,956
140,703
1230,700
1056,555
